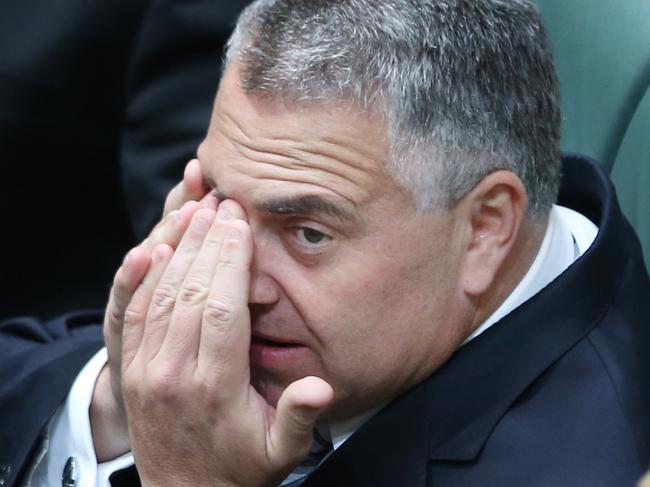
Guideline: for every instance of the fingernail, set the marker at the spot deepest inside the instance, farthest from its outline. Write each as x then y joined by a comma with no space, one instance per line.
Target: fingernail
223,214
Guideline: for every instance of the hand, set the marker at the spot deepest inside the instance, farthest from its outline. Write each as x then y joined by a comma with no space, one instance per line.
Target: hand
108,418
191,188
193,417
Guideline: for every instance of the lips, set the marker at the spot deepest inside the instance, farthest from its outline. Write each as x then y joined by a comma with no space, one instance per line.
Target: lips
270,341
271,352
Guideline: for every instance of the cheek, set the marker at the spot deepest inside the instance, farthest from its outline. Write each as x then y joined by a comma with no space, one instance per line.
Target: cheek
380,321
371,306
375,289
382,330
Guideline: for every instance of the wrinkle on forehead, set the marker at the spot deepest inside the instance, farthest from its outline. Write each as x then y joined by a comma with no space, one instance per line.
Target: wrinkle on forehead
295,153
342,153
307,183
342,145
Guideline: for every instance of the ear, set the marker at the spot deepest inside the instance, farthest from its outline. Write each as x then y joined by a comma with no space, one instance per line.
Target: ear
494,212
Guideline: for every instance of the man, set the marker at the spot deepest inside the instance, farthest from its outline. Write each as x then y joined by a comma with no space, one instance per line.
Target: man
379,262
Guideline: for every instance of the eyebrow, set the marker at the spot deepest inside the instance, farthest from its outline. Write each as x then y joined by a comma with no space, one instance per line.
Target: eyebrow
292,205
305,205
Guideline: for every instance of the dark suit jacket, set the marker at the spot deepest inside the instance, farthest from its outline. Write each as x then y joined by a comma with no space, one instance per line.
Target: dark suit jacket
555,394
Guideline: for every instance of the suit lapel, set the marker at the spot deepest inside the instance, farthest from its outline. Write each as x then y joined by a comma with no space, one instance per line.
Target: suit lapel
390,449
477,386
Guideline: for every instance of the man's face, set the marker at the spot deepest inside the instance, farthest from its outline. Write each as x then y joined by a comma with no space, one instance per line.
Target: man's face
349,283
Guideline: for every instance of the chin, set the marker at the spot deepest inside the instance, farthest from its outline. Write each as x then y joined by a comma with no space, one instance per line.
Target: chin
273,370
269,389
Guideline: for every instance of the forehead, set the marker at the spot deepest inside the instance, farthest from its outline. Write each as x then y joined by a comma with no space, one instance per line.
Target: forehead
259,148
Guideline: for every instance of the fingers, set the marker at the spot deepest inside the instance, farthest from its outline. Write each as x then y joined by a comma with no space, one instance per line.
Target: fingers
197,318
225,329
192,295
137,310
125,283
166,292
191,188
136,263
168,232
172,227
209,201
298,409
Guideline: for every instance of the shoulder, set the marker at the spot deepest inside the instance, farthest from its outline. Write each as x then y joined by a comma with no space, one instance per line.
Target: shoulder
38,364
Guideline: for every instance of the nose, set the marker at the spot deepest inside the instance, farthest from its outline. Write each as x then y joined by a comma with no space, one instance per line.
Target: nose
263,289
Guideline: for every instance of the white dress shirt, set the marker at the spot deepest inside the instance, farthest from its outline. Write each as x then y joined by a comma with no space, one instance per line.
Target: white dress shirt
568,235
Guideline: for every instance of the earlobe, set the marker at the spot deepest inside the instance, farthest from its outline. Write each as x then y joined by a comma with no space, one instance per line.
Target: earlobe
495,209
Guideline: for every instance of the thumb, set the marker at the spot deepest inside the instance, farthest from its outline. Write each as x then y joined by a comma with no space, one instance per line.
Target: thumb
299,407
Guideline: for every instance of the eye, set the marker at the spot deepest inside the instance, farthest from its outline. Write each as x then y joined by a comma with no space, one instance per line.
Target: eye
311,236
308,241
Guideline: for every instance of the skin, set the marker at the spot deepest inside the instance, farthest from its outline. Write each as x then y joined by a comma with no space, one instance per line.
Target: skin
107,415
383,288
349,297
367,296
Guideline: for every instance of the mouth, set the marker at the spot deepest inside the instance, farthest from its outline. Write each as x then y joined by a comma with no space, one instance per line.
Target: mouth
273,352
267,341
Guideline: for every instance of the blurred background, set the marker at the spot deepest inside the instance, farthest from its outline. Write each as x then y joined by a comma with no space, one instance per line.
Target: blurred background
101,106
103,103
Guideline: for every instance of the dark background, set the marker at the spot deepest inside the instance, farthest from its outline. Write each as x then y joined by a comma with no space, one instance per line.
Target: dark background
101,106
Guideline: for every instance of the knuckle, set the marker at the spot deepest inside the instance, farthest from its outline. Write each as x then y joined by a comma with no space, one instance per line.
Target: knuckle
128,381
227,262
192,293
114,318
163,382
208,379
133,316
212,397
187,250
169,223
218,311
168,218
164,297
212,241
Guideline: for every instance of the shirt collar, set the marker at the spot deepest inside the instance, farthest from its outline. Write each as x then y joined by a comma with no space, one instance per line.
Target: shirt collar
341,431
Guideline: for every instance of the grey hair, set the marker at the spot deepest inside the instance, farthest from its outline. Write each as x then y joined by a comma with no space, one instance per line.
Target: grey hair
466,87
